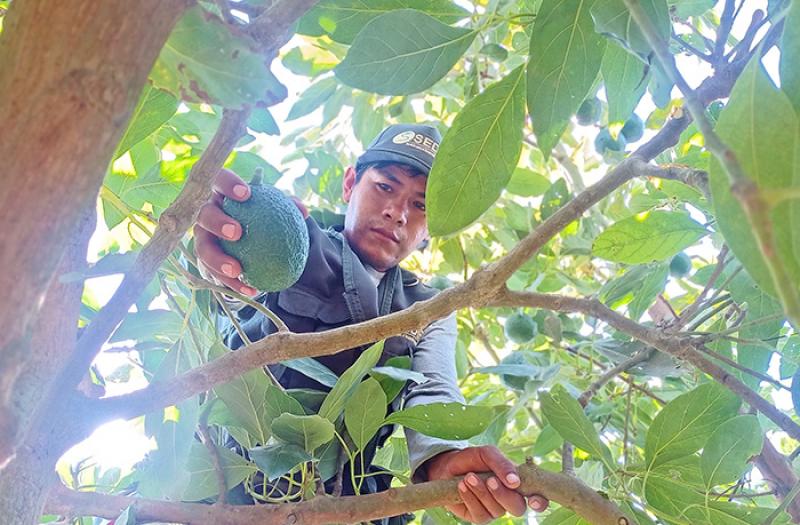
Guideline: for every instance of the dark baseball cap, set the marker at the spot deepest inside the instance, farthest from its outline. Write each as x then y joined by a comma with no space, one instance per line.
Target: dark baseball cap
411,144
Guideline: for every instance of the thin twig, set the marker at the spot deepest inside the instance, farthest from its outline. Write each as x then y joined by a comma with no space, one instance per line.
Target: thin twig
205,437
725,25
689,312
742,368
611,373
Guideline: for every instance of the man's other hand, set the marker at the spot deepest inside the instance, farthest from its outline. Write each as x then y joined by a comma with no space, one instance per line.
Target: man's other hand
483,501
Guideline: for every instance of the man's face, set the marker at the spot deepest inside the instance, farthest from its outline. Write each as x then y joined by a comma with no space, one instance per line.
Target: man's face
385,218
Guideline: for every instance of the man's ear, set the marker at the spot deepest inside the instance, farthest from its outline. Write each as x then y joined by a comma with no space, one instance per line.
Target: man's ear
348,183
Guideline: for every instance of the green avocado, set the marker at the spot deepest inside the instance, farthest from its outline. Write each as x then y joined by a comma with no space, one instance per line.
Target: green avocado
512,381
633,128
520,328
273,249
604,141
590,111
440,282
680,265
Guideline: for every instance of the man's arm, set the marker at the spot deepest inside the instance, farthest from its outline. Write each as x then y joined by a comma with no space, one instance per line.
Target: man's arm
433,458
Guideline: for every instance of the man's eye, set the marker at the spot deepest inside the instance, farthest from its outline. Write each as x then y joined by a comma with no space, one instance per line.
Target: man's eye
420,205
384,186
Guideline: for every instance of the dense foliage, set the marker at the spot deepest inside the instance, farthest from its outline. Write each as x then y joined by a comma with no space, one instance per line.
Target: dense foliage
503,79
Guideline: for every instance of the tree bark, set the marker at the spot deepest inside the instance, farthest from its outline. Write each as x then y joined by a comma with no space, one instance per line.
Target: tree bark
24,485
71,74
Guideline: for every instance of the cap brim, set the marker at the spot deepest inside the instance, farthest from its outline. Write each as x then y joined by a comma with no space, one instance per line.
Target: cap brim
383,155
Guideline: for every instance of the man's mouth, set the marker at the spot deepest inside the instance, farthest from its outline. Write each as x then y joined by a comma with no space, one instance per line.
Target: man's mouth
388,234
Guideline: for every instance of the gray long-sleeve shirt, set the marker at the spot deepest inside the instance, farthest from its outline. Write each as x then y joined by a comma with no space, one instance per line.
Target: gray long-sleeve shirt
434,358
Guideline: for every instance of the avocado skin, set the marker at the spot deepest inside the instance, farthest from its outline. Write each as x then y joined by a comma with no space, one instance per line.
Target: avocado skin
520,328
273,248
604,141
589,112
633,128
680,265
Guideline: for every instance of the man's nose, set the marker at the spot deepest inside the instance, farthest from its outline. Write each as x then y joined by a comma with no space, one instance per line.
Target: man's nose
396,212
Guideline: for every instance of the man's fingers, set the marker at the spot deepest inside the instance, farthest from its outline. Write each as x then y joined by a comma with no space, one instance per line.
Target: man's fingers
211,218
222,266
511,500
487,499
477,512
538,503
231,185
502,467
459,510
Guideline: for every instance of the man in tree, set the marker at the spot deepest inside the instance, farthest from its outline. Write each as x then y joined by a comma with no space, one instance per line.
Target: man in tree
352,275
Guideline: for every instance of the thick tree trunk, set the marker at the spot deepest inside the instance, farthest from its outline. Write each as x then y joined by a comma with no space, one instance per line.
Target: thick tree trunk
70,75
23,490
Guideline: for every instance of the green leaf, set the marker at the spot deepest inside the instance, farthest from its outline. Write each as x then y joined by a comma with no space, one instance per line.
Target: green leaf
154,108
565,56
245,163
203,478
652,285
477,156
343,19
759,305
203,61
612,17
445,420
245,398
277,460
126,517
625,77
312,368
564,516
312,98
655,236
685,424
276,402
364,412
399,374
527,183
402,52
308,432
149,325
566,415
790,55
726,453
760,126
261,121
334,404
110,264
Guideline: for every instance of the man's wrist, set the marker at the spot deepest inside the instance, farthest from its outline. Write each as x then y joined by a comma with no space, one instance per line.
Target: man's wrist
432,468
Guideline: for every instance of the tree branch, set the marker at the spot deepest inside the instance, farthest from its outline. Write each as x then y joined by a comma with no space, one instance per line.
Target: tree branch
678,346
282,346
742,186
611,373
565,490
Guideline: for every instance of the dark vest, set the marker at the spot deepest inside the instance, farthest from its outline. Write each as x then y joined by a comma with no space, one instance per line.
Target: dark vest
335,290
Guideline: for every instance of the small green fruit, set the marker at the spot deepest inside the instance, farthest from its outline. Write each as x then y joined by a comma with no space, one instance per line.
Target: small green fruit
512,381
633,128
680,265
440,282
520,328
604,141
590,111
273,248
